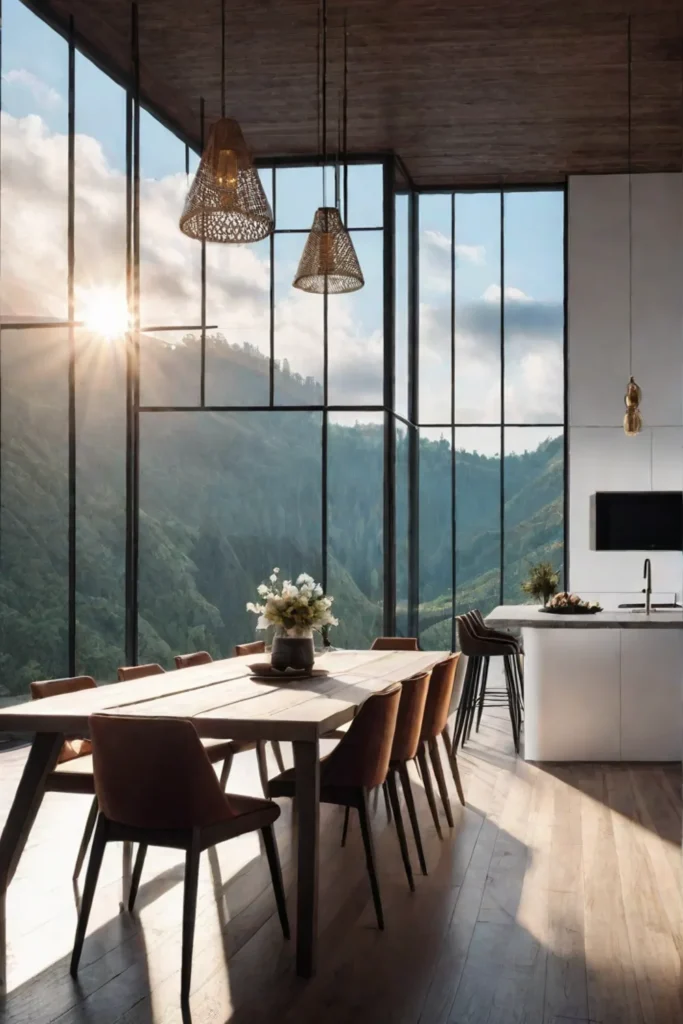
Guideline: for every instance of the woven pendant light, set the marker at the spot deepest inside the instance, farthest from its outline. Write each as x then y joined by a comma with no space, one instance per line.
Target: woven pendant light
329,264
226,201
633,420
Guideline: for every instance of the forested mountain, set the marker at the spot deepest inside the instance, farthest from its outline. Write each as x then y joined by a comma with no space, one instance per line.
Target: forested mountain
223,498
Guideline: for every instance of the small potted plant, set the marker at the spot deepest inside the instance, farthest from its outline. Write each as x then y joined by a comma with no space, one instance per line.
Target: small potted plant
543,581
294,610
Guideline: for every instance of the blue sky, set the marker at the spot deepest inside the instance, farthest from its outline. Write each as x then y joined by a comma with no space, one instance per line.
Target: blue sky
35,82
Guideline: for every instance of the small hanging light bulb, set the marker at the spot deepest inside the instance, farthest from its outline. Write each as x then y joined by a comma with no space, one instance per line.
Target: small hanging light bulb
633,421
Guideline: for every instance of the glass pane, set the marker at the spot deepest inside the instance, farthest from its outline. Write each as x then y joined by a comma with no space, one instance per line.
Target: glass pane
366,191
34,515
477,518
534,504
100,289
299,192
238,303
170,262
534,307
224,498
33,167
477,308
170,367
401,306
436,550
356,526
435,308
298,330
402,526
356,330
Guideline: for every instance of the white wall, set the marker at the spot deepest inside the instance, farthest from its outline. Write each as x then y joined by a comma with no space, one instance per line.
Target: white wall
601,456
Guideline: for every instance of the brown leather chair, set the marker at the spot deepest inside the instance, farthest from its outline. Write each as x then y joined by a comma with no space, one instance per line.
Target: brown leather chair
358,763
217,750
259,647
435,724
78,777
156,787
190,660
395,643
479,647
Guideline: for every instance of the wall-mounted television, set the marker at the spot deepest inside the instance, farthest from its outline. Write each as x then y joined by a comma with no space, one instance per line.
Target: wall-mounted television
637,521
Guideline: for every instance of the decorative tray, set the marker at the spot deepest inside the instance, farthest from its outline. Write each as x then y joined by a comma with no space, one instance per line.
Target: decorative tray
570,611
264,670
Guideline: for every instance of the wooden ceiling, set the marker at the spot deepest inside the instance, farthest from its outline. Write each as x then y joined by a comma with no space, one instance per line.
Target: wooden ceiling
478,92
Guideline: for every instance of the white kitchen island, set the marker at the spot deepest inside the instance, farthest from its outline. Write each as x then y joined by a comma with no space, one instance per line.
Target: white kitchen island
604,687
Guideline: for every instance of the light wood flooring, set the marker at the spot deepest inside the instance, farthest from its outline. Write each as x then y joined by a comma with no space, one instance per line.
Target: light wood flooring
556,899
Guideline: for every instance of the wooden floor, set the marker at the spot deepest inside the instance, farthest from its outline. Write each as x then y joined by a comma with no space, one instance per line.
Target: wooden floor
555,900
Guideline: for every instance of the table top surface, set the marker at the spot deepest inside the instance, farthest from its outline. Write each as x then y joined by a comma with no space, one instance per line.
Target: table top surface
224,702
513,616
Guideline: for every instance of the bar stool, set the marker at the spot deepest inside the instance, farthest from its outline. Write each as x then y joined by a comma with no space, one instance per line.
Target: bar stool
476,695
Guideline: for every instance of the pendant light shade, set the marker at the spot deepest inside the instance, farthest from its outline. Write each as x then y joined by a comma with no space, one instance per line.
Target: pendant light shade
328,262
226,201
633,421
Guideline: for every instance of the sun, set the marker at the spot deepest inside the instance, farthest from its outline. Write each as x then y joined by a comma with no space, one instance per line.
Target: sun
104,311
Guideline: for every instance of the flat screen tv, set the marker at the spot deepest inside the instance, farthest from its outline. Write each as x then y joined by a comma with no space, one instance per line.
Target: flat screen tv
638,521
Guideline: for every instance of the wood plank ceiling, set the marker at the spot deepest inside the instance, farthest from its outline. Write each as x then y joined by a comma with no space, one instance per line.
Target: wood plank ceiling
479,92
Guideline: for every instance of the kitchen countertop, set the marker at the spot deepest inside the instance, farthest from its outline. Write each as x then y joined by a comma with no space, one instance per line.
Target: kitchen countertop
513,616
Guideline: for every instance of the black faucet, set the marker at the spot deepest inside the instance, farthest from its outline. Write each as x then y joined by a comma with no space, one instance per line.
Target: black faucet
647,575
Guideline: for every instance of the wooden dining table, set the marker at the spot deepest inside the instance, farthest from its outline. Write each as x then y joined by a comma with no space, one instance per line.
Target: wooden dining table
223,701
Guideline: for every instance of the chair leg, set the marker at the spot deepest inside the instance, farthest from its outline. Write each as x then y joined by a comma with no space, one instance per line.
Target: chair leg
137,874
345,828
466,698
482,695
189,915
92,874
277,750
410,804
400,831
366,832
512,704
440,780
85,841
453,762
387,801
262,765
429,790
268,834
472,707
225,770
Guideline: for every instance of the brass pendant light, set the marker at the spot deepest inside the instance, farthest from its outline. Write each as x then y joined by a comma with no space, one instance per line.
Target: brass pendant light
226,201
329,264
633,421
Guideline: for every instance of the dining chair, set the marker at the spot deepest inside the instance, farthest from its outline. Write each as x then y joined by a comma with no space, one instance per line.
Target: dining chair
395,643
259,647
358,763
216,750
156,787
435,725
60,779
476,695
403,750
190,660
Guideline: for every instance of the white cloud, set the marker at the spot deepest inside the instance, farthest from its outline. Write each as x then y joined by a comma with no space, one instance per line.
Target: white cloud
41,92
492,294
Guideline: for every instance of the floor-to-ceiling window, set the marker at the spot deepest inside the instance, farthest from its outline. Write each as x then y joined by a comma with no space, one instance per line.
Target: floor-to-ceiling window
491,399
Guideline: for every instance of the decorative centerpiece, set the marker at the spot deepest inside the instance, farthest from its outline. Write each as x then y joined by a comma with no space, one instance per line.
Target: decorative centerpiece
543,581
295,611
571,604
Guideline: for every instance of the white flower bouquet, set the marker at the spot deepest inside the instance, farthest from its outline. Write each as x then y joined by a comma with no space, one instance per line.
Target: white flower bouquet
294,609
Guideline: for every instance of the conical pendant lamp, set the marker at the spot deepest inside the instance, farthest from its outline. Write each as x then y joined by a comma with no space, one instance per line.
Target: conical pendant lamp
329,264
633,421
226,201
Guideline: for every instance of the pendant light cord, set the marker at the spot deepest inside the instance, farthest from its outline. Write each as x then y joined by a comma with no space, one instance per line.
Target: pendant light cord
323,92
345,119
630,207
222,58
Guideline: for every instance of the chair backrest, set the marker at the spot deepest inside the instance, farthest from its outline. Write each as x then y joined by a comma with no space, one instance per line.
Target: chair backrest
410,714
71,748
474,640
128,672
439,696
395,643
481,629
189,660
257,647
362,757
154,773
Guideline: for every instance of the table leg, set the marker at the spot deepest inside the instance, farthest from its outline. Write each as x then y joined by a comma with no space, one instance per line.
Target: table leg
27,800
307,770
